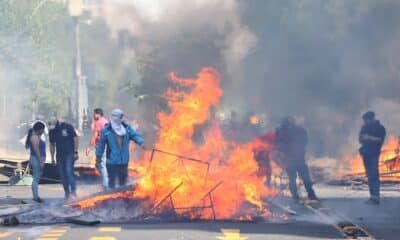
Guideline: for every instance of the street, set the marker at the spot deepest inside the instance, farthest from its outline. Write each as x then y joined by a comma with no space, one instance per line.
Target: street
380,221
199,120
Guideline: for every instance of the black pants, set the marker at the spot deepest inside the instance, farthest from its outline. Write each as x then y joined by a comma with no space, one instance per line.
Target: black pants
115,171
300,168
371,164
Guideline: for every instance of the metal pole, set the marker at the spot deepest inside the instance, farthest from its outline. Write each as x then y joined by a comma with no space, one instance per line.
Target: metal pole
81,88
78,73
75,82
75,10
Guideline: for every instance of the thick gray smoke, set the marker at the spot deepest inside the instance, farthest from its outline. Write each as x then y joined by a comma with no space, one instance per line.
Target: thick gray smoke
160,21
181,36
329,61
325,61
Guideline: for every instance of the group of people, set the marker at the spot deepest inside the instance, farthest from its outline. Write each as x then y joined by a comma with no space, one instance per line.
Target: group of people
288,150
110,139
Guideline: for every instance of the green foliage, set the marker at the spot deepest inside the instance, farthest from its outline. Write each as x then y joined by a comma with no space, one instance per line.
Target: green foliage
36,41
110,68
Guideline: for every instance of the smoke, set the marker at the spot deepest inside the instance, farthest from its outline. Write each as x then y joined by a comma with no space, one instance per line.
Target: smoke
327,61
324,61
185,35
159,21
10,108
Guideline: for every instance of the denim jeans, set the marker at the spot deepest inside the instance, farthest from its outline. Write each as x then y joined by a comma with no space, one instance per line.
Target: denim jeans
65,165
371,164
102,168
37,172
301,169
119,171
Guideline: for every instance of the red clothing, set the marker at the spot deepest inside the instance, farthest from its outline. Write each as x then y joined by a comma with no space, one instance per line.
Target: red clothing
261,151
269,137
265,142
98,127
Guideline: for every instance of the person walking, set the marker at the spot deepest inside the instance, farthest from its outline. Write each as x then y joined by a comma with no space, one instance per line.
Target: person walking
64,142
37,147
371,137
99,123
116,136
292,140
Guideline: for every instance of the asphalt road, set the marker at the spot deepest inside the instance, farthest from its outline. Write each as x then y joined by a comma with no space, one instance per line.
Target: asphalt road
381,221
176,231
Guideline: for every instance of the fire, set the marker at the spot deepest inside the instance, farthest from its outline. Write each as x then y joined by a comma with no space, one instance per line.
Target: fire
209,173
389,160
91,202
254,120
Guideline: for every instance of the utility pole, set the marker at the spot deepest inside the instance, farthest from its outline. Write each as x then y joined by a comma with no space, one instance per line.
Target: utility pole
80,92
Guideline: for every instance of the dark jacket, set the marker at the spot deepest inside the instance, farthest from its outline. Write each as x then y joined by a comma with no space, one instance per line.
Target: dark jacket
292,141
63,137
369,147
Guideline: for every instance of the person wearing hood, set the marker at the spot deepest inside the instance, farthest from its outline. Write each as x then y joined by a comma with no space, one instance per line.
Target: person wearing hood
371,138
115,138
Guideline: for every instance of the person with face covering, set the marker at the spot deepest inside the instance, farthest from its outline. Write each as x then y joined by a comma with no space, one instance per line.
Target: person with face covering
37,147
371,137
115,138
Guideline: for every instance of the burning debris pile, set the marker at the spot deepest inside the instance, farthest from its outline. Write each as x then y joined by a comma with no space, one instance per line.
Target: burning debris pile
389,165
207,178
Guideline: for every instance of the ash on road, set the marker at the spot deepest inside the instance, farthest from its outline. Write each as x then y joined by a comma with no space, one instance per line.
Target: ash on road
380,221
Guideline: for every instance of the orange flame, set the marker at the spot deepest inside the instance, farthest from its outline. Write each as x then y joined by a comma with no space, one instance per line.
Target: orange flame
216,172
389,160
254,120
230,163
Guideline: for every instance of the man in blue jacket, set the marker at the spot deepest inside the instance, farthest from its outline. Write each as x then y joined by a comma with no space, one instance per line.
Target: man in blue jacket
116,136
371,138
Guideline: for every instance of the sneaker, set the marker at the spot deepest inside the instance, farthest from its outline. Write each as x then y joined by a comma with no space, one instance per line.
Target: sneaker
72,197
372,201
313,197
296,198
38,200
105,188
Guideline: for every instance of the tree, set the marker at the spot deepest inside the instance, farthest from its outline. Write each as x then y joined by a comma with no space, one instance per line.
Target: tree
36,41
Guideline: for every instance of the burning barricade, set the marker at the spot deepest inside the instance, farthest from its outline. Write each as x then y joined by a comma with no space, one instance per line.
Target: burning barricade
212,179
389,165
